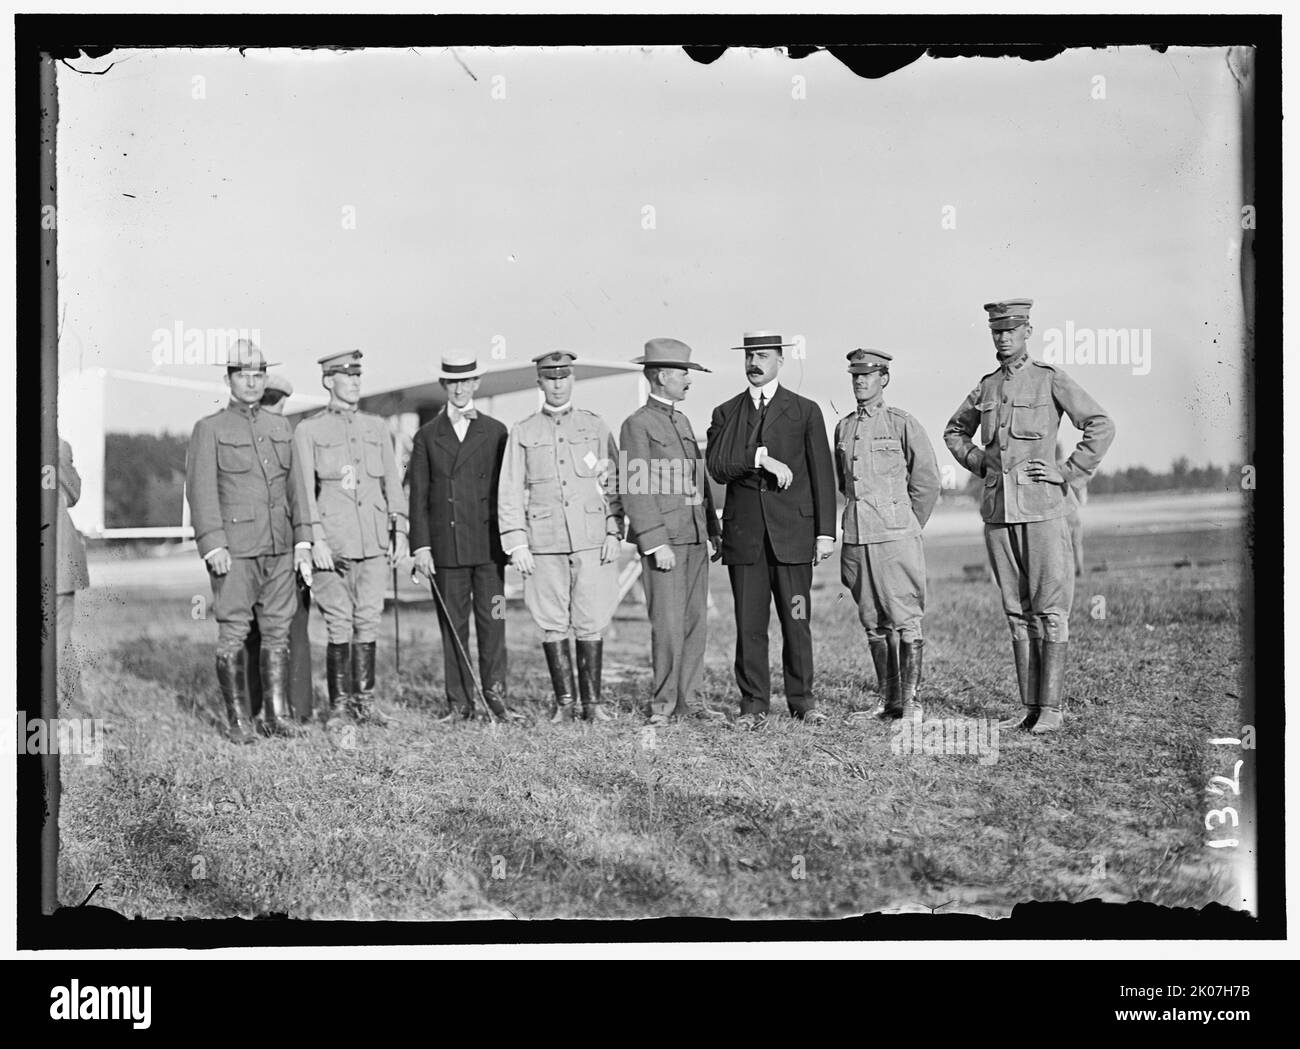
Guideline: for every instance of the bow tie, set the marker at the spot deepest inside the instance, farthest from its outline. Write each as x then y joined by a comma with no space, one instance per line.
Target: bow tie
457,416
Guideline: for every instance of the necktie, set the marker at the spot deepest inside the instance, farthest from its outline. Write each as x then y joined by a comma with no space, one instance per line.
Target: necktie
456,416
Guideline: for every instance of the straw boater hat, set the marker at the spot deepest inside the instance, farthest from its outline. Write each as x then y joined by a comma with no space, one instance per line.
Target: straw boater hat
459,364
668,353
762,340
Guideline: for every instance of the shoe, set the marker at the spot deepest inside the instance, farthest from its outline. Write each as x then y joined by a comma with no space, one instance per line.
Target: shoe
233,681
364,707
559,661
338,679
1027,655
496,701
750,722
704,713
1050,718
589,673
910,678
813,717
659,720
277,718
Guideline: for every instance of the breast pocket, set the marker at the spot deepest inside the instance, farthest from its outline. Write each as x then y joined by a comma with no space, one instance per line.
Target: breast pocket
374,456
283,451
586,452
331,458
234,455
887,457
539,458
1030,420
988,421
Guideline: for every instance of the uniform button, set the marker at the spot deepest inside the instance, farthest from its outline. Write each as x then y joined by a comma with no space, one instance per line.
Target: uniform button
1004,422
565,483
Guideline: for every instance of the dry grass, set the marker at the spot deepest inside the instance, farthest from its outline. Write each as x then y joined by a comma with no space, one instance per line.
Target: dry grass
426,821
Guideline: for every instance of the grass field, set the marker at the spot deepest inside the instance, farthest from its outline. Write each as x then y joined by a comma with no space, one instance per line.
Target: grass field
427,821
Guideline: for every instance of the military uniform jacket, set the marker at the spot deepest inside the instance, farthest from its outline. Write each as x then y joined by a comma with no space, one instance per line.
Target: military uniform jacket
346,480
1017,410
237,481
559,490
885,467
794,433
665,492
454,491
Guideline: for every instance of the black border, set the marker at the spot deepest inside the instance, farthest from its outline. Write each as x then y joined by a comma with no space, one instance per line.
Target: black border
704,37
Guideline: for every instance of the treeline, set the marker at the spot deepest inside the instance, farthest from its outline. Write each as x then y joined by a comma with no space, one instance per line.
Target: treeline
144,479
1181,476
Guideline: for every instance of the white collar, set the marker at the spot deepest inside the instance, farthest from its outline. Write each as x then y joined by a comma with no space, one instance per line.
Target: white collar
768,391
468,408
663,400
557,411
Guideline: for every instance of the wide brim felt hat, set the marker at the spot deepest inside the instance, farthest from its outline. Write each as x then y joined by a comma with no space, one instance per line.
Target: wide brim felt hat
668,353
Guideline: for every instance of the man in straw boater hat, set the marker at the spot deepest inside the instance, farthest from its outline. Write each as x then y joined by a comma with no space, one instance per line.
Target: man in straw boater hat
454,472
246,516
561,526
346,477
885,467
1017,408
768,446
671,519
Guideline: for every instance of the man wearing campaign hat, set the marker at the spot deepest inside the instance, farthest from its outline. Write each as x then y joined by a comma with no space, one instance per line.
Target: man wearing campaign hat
671,519
1017,408
561,520
886,469
454,472
346,477
278,390
768,446
246,516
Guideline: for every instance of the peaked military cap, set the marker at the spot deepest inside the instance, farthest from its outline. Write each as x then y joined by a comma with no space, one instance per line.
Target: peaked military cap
555,364
349,362
862,362
1010,313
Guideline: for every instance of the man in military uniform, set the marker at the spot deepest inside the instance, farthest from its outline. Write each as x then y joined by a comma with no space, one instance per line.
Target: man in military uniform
245,520
454,472
886,470
1017,408
561,522
346,478
670,518
278,390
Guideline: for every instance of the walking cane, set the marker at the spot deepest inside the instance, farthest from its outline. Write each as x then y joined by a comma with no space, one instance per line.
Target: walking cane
460,648
397,614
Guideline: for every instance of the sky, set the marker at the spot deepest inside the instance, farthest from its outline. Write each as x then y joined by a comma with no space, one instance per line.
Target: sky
409,202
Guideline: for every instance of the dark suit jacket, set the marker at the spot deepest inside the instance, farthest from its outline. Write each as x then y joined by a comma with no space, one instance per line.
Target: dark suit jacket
795,434
454,491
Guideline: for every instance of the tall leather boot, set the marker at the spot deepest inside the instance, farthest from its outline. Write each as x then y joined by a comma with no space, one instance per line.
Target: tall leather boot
893,690
589,660
1028,657
338,679
910,677
234,694
277,718
1050,718
364,707
559,661
879,647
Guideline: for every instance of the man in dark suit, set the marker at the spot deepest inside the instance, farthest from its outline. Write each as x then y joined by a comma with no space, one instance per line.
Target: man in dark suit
454,472
769,447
